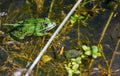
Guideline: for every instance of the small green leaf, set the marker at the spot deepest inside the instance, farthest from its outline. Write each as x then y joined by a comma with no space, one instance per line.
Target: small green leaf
73,19
85,48
94,49
83,56
69,65
99,54
77,72
78,60
75,67
94,56
70,73
82,17
73,59
73,63
88,53
67,68
46,58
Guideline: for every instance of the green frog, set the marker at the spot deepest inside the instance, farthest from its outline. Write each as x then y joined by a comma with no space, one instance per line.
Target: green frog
28,27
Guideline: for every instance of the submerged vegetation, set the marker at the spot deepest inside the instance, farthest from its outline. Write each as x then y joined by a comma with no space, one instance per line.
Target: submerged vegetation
78,49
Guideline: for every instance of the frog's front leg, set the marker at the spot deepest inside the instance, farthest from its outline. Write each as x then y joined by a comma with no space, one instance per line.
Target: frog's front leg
22,36
39,34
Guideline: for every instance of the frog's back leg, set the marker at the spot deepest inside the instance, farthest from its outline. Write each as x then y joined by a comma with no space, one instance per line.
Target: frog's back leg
18,24
17,35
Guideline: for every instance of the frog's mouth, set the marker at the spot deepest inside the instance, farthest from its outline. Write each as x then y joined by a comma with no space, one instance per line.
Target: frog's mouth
49,28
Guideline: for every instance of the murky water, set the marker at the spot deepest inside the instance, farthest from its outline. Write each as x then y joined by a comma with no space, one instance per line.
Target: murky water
97,24
111,36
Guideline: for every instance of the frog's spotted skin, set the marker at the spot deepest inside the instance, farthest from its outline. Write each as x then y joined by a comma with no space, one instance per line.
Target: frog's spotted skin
36,27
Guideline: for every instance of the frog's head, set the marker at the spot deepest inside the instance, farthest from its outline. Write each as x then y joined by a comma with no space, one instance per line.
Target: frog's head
48,25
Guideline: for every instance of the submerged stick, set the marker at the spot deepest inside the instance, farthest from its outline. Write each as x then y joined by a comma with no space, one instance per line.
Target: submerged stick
107,24
101,38
51,6
113,57
51,39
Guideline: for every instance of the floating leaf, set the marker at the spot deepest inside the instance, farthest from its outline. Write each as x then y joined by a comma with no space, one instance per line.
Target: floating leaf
73,63
46,58
72,53
73,19
99,54
81,17
83,56
69,65
85,48
73,59
88,53
94,56
70,73
94,49
75,67
77,72
78,60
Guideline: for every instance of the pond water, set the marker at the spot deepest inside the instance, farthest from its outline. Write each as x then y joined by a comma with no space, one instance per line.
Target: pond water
111,36
17,10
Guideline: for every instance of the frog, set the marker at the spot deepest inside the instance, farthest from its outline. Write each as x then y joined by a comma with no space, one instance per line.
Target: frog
28,27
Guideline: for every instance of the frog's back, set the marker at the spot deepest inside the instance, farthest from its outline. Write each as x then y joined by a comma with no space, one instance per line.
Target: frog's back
29,27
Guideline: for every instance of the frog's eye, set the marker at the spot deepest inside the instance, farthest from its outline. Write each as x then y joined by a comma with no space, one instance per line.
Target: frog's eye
46,23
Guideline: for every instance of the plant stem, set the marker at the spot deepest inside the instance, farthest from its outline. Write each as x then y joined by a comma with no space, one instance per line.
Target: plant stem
104,31
113,57
79,41
50,10
107,24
